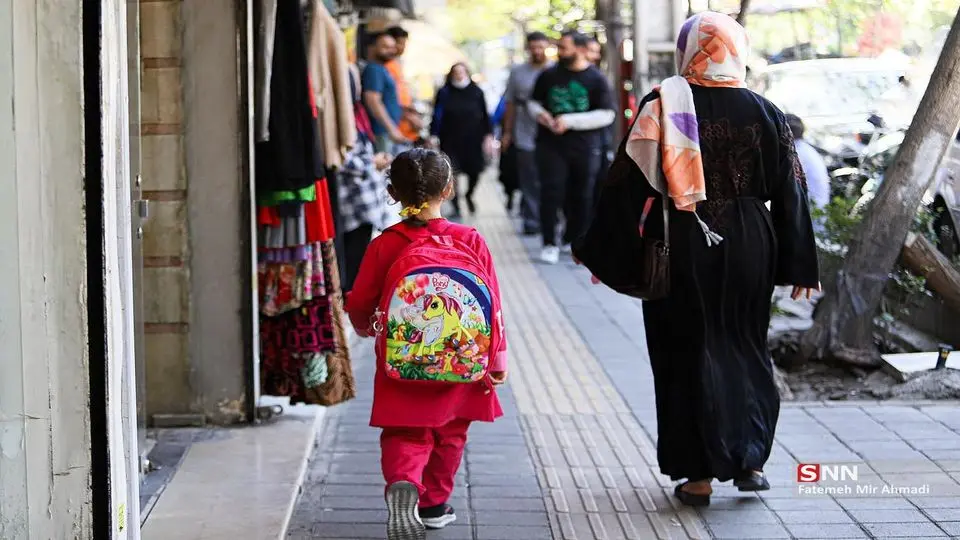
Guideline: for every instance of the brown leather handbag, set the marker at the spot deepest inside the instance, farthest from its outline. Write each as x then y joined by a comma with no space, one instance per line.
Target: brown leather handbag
622,247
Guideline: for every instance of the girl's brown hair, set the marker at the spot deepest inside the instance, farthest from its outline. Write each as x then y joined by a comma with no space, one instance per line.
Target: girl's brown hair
419,176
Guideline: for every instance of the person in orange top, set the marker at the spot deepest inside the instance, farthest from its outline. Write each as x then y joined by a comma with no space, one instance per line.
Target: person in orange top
411,122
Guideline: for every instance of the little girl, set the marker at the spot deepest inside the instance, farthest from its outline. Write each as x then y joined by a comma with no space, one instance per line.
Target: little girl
428,291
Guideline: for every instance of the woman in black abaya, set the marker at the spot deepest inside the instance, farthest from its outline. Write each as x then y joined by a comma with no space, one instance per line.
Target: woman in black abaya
720,153
462,124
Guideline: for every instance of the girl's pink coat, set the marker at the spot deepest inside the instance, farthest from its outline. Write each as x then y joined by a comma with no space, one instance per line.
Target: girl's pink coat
400,404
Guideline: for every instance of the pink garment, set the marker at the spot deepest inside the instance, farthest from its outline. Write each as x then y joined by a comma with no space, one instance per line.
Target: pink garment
426,457
402,403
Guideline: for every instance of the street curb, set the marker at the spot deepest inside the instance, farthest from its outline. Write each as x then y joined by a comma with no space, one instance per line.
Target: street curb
302,473
352,340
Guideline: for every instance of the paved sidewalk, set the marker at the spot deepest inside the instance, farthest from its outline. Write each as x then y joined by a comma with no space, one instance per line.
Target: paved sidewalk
575,456
237,482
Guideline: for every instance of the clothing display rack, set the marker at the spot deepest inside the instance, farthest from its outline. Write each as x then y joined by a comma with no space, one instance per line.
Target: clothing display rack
304,127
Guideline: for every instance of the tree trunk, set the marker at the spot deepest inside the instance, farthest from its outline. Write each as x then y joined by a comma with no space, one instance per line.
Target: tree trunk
844,321
923,258
742,15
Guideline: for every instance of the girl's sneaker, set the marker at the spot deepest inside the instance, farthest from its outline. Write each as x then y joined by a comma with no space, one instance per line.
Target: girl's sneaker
404,521
438,517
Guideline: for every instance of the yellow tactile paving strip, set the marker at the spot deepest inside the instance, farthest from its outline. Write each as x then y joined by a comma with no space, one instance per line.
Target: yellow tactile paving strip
596,464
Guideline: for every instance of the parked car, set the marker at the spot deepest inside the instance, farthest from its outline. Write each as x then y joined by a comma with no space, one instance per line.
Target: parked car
942,199
834,98
945,201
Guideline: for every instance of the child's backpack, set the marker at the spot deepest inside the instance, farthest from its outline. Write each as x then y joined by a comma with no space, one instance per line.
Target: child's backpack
438,320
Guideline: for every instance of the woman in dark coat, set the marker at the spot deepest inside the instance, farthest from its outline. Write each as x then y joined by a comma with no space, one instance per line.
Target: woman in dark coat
462,124
719,153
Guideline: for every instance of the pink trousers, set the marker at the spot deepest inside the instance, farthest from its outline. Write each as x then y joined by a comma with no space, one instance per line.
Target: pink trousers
426,457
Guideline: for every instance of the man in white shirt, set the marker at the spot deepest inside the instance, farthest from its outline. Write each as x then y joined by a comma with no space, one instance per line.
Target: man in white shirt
815,169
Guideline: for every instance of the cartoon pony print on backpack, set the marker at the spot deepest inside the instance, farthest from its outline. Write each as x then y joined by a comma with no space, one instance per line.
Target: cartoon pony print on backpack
440,322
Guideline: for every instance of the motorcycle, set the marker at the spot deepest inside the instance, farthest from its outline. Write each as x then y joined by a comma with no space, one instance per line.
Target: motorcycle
878,151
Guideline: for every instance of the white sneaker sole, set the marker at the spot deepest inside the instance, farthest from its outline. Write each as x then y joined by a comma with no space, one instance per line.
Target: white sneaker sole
440,522
546,258
404,521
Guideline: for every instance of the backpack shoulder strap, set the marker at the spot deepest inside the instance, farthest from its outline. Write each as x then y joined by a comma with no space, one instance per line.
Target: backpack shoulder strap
401,232
439,236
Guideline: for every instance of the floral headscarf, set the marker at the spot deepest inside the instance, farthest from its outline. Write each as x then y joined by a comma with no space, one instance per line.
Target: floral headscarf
664,142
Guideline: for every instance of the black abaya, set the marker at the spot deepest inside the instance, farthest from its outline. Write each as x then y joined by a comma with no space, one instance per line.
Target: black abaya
461,122
717,404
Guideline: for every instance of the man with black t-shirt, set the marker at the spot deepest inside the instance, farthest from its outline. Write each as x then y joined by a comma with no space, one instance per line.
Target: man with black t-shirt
572,103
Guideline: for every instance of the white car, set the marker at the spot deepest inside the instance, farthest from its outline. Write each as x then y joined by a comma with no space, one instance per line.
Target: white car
834,98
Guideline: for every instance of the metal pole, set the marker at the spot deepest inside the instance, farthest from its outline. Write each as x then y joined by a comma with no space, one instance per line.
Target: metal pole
641,57
613,23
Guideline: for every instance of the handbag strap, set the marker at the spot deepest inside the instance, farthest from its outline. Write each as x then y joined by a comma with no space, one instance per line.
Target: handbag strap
666,221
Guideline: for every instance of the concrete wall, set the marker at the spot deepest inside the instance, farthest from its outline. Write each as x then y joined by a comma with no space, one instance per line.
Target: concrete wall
45,422
197,278
216,144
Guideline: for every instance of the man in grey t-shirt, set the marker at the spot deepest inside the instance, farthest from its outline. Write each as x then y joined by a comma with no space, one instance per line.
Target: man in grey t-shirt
520,129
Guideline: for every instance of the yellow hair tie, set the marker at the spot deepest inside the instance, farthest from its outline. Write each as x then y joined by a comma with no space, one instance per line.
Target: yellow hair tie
410,211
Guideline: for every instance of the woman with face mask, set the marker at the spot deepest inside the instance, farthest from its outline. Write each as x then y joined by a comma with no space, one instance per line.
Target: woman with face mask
462,124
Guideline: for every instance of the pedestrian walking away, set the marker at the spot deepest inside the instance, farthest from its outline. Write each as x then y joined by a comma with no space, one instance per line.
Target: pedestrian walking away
814,167
428,291
718,153
462,124
573,105
594,53
520,129
380,93
411,121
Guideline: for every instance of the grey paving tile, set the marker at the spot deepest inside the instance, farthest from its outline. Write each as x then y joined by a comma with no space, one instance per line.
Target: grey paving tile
936,502
919,464
350,490
950,443
507,492
351,503
951,528
354,478
949,465
814,516
926,430
888,516
511,518
351,516
804,503
918,479
348,530
943,514
497,504
753,516
506,532
822,531
904,530
876,503
503,480
782,493
735,504
741,532
452,532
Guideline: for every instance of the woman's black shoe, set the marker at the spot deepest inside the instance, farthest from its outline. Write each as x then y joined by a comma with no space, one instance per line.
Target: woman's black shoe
471,206
752,481
690,499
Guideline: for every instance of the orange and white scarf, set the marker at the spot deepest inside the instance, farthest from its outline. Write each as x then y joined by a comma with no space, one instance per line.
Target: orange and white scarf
664,142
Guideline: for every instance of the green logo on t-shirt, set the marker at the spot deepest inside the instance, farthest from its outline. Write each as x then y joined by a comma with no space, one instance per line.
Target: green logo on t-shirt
574,98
